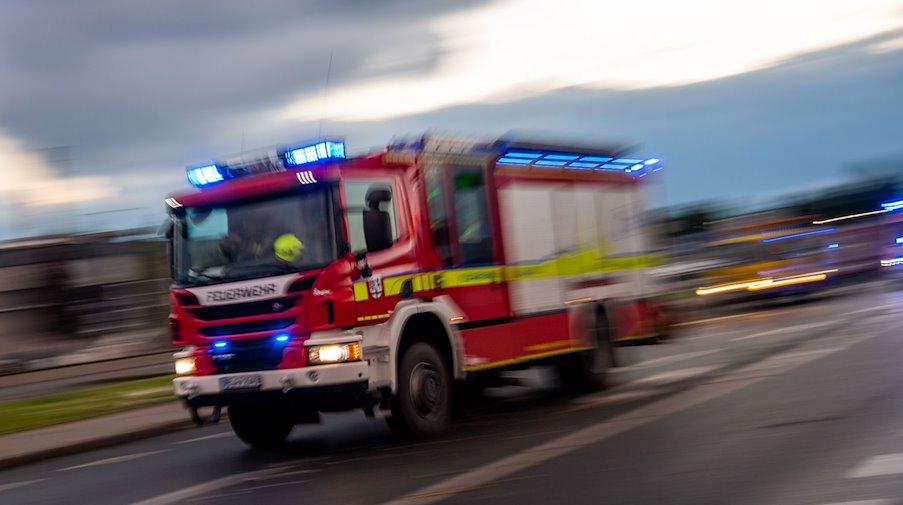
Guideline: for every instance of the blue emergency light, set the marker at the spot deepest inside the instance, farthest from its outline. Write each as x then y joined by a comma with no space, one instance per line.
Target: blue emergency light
326,150
797,235
892,206
541,159
206,175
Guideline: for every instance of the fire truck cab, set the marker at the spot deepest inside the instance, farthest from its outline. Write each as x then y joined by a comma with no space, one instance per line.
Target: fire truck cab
310,282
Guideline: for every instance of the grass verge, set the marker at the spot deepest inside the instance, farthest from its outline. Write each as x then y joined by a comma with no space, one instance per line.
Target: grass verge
67,407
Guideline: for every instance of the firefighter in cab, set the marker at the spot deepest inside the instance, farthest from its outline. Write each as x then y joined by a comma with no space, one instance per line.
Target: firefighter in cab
289,249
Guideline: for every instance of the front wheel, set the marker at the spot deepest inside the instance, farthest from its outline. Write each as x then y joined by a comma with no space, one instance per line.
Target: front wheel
260,427
422,406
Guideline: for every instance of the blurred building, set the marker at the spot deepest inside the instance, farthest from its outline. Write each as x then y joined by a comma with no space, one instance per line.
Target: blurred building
76,298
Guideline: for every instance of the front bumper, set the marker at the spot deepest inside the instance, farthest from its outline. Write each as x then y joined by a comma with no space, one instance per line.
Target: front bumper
325,387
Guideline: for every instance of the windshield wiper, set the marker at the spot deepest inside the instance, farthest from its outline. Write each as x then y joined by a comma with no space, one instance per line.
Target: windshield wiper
206,276
250,271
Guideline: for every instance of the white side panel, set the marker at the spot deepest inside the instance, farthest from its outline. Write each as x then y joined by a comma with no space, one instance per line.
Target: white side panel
564,218
527,220
529,223
544,221
621,211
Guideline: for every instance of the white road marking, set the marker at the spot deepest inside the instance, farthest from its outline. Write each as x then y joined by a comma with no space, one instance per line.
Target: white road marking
756,314
110,461
606,399
880,308
641,416
664,360
182,495
208,437
788,329
669,377
15,485
759,334
710,320
885,464
220,496
879,501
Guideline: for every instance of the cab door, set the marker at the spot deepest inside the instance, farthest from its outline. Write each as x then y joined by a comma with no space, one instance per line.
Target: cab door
466,239
378,224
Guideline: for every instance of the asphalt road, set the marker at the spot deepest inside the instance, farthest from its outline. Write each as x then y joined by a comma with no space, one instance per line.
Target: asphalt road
797,404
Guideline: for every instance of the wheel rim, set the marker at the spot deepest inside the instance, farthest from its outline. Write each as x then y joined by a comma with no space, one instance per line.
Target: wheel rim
426,390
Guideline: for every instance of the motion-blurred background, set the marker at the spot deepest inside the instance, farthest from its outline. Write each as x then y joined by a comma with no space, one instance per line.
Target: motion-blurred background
779,124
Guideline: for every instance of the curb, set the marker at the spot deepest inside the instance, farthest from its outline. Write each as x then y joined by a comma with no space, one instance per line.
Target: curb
76,447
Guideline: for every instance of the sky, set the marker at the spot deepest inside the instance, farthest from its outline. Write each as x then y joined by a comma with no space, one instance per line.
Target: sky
104,102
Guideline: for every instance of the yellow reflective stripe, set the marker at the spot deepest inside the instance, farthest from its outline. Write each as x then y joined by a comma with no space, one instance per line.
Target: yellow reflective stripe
579,264
468,277
509,362
393,285
534,271
372,318
548,346
360,291
633,338
571,265
418,283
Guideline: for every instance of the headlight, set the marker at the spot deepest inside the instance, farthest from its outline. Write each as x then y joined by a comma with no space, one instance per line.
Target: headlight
185,366
334,353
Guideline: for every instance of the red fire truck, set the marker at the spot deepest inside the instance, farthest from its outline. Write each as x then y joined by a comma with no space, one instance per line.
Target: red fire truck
310,281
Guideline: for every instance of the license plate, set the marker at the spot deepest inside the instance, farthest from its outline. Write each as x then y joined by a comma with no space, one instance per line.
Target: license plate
240,382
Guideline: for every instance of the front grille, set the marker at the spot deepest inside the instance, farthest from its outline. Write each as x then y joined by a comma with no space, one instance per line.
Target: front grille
247,356
258,308
242,328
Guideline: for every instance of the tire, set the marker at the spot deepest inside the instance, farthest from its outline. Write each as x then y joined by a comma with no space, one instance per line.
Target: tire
423,405
588,371
260,427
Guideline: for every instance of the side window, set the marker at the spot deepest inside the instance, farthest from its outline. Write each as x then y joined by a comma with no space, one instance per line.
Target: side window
435,197
370,202
472,207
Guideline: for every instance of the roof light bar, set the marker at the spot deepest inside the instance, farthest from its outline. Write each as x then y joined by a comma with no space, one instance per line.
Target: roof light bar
514,161
206,175
539,159
327,150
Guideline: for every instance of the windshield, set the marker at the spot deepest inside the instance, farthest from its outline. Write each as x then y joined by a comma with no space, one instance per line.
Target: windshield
256,239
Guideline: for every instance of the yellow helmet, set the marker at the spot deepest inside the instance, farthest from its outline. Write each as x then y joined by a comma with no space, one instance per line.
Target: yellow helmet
288,248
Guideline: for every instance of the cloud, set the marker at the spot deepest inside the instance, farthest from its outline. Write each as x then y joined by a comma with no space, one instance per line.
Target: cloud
516,48
140,90
28,179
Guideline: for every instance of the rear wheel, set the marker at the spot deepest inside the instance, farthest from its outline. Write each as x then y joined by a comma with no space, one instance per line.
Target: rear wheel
422,407
588,371
261,427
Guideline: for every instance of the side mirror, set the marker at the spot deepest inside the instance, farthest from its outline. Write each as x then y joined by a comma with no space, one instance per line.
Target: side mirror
377,225
359,259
